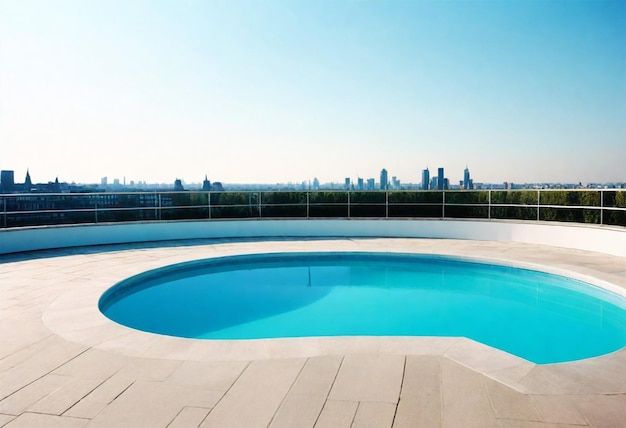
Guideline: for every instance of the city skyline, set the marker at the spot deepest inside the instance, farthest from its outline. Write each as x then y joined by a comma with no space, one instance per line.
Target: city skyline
279,91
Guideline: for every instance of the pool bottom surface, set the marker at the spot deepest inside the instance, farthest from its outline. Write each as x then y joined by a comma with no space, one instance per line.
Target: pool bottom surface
542,318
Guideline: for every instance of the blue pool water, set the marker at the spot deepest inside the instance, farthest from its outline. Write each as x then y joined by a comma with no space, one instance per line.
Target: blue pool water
540,317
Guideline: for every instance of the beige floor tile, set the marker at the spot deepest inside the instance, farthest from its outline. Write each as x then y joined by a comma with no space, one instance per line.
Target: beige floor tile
5,419
369,378
256,395
214,376
604,411
465,401
420,397
508,403
151,404
34,420
558,409
374,415
317,376
189,417
337,414
298,410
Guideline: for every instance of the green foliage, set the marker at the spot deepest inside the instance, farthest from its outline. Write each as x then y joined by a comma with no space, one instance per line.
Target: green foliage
514,197
328,198
283,198
467,197
419,197
367,197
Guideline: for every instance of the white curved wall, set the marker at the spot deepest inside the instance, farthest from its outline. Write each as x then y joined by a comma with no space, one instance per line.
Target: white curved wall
609,240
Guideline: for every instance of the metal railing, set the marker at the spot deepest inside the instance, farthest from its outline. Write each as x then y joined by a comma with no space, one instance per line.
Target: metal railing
604,207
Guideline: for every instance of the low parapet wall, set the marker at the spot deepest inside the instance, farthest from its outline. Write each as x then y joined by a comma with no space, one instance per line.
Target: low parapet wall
603,239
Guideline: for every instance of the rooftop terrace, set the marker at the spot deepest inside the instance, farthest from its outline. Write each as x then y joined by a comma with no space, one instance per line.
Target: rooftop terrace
62,363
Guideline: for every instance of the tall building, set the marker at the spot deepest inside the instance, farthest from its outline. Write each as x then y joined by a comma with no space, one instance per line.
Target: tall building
467,181
384,180
371,185
316,184
346,184
425,179
360,183
7,181
206,184
440,179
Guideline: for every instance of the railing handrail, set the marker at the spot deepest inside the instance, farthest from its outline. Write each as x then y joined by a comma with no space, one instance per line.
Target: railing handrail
305,203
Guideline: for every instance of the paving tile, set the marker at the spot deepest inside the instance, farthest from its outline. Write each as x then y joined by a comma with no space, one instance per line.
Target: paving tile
256,395
369,378
214,376
64,397
189,417
420,397
29,364
85,409
517,423
508,403
32,420
465,401
337,414
150,369
481,357
110,389
18,334
151,404
93,364
603,411
298,410
558,409
317,376
23,399
5,419
374,415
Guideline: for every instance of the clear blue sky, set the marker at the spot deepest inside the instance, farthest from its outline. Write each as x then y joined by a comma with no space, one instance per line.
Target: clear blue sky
275,91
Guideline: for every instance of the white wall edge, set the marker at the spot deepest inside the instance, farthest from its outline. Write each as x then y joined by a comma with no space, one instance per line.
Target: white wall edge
602,239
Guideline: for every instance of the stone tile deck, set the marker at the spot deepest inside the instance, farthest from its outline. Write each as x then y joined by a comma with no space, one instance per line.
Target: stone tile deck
63,364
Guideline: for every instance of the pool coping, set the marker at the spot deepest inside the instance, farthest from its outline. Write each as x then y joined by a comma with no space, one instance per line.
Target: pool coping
595,375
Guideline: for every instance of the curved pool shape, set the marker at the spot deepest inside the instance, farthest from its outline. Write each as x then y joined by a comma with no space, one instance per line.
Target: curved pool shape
537,316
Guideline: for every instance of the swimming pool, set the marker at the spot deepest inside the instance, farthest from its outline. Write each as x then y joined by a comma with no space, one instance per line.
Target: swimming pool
540,317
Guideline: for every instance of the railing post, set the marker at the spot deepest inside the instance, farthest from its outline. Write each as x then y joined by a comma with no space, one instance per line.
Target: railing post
160,208
260,196
601,206
308,203
4,202
489,203
443,204
538,202
95,208
386,203
348,204
209,203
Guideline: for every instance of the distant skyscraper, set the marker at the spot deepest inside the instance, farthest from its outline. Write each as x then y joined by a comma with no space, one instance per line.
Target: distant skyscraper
467,182
440,179
425,179
206,184
7,181
178,185
316,184
384,180
347,183
360,183
371,185
104,182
